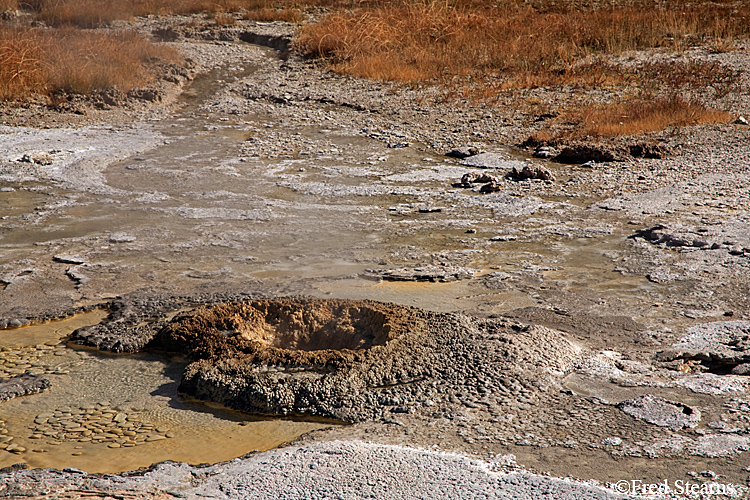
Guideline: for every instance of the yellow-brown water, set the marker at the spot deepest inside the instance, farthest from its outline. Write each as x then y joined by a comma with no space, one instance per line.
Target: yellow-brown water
48,333
140,390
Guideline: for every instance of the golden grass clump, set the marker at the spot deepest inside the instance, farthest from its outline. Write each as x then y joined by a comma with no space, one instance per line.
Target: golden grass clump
80,13
267,14
82,62
522,45
8,5
93,13
22,71
640,116
69,60
224,19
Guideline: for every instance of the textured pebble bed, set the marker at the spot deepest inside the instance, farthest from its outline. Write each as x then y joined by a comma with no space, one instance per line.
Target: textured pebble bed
36,359
98,423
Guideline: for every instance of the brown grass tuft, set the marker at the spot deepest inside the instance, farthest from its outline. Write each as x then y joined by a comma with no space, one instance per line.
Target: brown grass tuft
22,71
224,19
82,62
82,13
521,45
7,5
93,13
640,116
267,14
70,60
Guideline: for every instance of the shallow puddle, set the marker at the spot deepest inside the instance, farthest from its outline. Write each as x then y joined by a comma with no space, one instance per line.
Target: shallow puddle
109,413
48,333
437,297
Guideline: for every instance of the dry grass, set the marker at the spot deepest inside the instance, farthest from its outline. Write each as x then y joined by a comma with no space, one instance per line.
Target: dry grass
69,60
520,45
84,14
266,14
475,49
224,19
93,13
21,66
82,62
638,116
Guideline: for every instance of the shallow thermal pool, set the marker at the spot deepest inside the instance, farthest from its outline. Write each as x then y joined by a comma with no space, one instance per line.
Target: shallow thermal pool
109,413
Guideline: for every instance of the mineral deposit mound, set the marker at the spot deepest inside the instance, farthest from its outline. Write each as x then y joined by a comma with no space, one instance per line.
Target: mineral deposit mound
342,359
289,356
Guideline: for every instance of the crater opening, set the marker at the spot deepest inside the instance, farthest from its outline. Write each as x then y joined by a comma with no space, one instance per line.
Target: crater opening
311,326
292,328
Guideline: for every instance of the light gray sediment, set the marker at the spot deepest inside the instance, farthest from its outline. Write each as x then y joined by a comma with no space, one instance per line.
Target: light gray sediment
340,469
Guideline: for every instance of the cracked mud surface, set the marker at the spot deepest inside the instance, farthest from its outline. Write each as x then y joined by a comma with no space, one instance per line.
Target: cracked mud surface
521,319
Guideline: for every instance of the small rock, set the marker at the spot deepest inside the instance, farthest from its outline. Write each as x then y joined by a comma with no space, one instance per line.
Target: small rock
150,95
543,152
69,259
470,178
22,385
121,238
41,159
462,152
659,411
582,153
490,187
725,342
530,172
425,273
